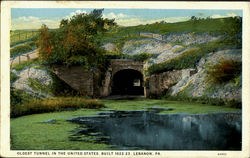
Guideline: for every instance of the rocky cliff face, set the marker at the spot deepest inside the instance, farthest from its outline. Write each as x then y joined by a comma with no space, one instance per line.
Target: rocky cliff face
192,82
199,84
34,81
195,82
166,48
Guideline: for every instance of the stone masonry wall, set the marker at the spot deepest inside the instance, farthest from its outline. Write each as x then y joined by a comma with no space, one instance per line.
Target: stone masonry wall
90,81
159,83
76,77
121,64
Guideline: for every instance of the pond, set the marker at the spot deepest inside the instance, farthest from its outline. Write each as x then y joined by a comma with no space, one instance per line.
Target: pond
149,130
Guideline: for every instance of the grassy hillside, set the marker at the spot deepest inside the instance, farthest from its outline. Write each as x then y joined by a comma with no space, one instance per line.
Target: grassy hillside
228,26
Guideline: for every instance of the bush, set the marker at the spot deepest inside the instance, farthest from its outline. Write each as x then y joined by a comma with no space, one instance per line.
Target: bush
53,104
77,41
224,71
13,77
18,97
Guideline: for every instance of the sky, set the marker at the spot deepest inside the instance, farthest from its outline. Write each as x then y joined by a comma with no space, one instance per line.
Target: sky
33,18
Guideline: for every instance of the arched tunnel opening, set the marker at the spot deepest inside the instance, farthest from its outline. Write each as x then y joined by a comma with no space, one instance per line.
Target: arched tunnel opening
128,82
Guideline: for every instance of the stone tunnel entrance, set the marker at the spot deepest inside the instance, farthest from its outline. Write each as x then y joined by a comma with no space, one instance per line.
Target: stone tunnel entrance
127,82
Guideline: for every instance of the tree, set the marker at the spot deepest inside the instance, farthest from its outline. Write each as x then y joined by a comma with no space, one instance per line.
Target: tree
193,18
45,49
77,41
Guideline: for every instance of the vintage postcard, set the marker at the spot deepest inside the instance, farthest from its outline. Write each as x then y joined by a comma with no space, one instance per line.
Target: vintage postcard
125,79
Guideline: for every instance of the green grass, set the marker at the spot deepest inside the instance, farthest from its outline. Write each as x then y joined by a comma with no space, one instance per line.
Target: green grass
178,106
228,26
18,50
53,104
28,133
20,36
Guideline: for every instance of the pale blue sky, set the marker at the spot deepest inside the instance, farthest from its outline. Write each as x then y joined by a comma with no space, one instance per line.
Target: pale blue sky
33,18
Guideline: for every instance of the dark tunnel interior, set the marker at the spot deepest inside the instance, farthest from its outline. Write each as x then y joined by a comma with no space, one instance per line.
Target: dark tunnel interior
128,82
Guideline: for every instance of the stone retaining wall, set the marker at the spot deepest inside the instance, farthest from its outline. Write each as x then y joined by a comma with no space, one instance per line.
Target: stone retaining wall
77,77
159,83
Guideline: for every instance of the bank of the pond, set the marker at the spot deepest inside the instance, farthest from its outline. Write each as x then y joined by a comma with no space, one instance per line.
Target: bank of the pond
32,133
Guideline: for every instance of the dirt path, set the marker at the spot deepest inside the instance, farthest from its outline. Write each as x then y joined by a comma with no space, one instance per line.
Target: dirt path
24,57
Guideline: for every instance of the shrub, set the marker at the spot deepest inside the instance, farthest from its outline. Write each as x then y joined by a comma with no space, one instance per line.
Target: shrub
53,104
224,71
77,41
234,104
13,77
18,97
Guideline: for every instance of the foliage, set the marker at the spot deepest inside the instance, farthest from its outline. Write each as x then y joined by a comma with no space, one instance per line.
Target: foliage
77,41
142,56
44,42
18,50
53,104
36,85
18,97
224,71
13,77
190,58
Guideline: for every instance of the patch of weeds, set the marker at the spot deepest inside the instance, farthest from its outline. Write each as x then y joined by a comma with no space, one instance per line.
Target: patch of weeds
116,55
142,56
53,104
179,49
210,86
36,85
13,77
237,81
121,41
19,97
224,71
139,43
178,42
234,104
